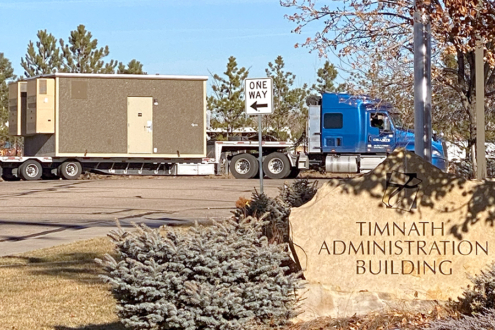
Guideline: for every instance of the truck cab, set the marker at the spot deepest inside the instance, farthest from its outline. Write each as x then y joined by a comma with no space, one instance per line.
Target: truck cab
355,133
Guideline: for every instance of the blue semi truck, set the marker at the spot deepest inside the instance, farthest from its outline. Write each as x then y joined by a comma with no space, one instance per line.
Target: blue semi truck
346,134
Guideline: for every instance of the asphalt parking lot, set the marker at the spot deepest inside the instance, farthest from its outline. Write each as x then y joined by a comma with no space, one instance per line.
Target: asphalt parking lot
36,214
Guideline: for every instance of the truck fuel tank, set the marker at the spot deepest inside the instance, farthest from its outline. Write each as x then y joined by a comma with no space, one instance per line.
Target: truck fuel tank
341,164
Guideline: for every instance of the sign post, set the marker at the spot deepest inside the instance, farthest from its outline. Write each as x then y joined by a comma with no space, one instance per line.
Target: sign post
259,101
260,149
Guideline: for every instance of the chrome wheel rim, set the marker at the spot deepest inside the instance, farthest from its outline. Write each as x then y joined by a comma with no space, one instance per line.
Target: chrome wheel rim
32,170
71,169
242,166
276,165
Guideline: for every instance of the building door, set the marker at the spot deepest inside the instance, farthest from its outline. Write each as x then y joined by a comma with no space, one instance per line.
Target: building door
140,125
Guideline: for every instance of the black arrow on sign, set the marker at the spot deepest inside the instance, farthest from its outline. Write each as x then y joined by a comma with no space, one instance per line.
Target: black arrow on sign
255,105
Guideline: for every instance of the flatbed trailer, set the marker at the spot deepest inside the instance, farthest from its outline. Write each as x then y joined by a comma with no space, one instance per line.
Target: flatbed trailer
35,168
240,152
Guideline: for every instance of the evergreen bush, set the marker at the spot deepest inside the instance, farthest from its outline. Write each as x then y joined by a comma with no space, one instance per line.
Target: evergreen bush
224,276
299,192
273,210
481,295
484,321
276,211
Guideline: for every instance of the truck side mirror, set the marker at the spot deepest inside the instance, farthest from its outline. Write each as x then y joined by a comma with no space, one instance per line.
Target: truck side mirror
386,125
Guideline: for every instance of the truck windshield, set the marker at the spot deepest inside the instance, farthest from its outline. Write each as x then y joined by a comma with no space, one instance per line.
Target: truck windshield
396,120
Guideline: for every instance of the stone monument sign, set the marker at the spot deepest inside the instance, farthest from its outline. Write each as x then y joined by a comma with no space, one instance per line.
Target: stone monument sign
405,233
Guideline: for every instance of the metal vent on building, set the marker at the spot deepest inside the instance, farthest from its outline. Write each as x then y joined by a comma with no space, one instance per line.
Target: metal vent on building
43,86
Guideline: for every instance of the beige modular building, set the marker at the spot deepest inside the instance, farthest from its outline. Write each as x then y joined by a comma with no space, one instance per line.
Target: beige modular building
117,124
109,115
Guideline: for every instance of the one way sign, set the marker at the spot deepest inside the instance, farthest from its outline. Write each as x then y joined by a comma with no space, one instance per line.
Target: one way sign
259,96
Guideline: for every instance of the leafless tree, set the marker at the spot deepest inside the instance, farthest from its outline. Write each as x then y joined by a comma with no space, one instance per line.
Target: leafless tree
376,39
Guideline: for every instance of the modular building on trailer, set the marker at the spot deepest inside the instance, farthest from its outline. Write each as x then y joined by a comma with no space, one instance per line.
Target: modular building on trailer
141,124
156,125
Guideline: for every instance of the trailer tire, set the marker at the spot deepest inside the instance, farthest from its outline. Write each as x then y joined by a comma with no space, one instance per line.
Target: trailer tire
244,166
276,166
70,170
30,170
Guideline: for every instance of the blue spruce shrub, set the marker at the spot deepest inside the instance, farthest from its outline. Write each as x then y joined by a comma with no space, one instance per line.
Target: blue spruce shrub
224,276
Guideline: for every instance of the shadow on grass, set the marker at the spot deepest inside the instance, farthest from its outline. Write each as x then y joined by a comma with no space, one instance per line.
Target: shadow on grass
106,326
78,266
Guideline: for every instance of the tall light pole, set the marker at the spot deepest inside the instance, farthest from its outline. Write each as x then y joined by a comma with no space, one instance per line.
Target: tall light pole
480,105
422,80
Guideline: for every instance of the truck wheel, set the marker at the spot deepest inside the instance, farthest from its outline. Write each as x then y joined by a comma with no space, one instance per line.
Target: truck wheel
70,170
244,166
276,166
30,170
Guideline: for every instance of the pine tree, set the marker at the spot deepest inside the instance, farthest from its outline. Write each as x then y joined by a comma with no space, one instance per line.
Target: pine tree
82,55
227,103
325,81
44,58
133,67
289,110
6,76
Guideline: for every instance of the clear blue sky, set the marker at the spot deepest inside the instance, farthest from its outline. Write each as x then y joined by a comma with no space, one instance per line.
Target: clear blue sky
190,37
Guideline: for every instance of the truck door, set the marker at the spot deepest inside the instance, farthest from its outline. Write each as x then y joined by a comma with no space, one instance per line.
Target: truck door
339,131
140,125
381,138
